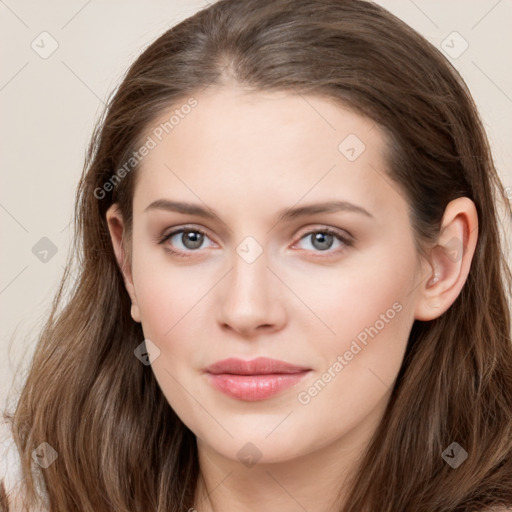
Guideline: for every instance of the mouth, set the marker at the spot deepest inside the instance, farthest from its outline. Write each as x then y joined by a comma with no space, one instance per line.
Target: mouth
258,379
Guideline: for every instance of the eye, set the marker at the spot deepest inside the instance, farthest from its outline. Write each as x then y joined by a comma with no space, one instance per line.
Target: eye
190,239
323,239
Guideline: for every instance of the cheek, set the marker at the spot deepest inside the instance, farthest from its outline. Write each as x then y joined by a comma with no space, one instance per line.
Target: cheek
169,302
367,291
166,293
361,362
369,311
173,302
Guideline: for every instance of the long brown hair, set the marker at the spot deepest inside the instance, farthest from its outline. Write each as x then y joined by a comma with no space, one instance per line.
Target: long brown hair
120,445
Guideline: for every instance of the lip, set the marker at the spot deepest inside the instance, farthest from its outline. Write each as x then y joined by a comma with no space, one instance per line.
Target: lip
257,379
258,366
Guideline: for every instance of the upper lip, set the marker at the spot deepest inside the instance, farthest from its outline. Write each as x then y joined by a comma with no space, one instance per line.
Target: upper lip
258,366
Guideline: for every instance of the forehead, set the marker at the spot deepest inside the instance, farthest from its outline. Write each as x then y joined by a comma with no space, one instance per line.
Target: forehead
262,148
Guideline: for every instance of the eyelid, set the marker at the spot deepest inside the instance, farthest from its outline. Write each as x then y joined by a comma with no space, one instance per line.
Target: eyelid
160,239
318,228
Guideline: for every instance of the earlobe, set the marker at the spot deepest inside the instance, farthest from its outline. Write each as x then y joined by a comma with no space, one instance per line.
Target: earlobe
116,229
450,260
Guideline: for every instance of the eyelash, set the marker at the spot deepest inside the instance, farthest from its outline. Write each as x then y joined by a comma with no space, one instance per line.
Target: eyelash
347,242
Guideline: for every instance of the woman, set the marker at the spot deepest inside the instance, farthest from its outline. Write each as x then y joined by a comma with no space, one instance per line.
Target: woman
292,290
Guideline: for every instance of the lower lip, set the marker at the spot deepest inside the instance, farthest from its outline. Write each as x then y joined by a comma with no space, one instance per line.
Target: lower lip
254,387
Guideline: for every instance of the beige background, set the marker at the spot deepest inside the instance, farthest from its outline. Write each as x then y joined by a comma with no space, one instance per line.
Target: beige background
49,106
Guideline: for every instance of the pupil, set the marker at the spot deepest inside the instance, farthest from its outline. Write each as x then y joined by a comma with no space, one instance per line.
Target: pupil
325,240
194,238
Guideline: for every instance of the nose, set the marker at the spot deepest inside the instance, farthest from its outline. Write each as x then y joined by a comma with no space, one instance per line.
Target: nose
251,298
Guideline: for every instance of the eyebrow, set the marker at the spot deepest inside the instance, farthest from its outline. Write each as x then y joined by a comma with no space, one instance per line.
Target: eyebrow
287,214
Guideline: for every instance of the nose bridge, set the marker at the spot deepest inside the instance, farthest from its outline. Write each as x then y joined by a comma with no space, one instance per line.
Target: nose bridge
250,273
250,297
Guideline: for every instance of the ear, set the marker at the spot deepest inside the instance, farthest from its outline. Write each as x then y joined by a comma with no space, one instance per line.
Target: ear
450,259
117,233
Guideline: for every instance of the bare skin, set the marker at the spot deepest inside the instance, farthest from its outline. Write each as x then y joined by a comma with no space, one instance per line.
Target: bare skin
248,157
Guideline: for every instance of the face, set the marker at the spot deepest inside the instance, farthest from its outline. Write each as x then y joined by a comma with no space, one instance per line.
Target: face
329,290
